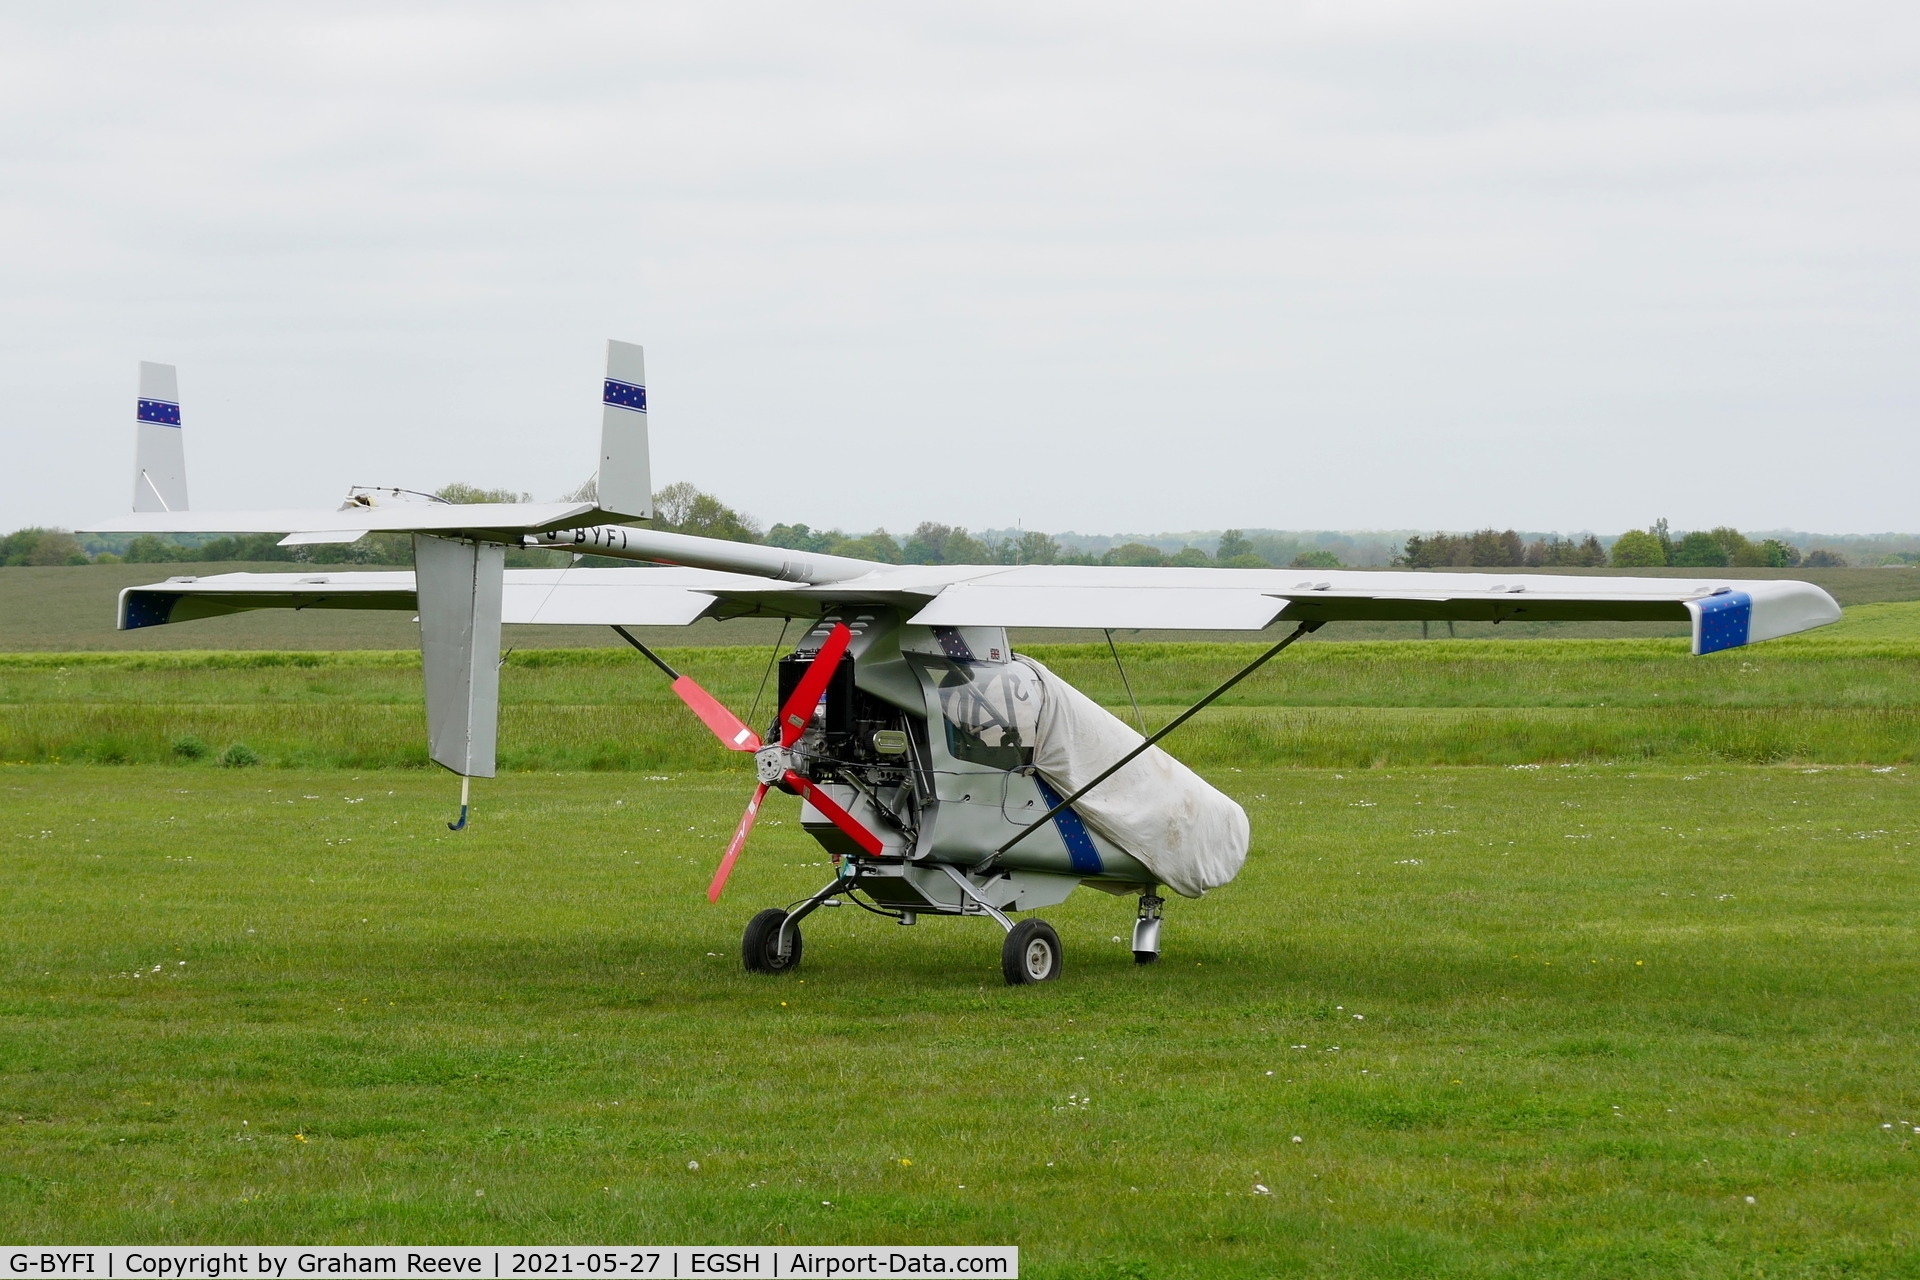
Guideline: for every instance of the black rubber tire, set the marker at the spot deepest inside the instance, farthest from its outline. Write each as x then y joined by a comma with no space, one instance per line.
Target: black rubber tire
1031,953
762,936
1145,957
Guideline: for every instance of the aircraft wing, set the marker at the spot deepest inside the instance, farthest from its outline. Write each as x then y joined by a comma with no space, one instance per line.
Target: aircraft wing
353,518
570,597
1723,613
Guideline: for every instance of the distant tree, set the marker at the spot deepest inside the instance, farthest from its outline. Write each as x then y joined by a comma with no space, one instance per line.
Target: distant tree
147,549
1033,547
1664,536
459,491
18,545
1778,554
1638,549
56,546
1190,558
798,537
1740,550
932,543
1699,550
682,508
1316,560
878,546
1232,543
1564,553
1423,553
1497,550
1134,555
1823,559
1486,548
1245,560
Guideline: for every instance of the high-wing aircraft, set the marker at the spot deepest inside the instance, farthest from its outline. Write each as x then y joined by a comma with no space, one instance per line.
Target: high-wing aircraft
945,773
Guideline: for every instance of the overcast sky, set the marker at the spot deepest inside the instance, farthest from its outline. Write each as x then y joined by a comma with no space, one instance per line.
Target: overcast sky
1079,266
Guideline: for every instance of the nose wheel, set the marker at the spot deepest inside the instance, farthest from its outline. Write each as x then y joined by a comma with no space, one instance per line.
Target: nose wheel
761,945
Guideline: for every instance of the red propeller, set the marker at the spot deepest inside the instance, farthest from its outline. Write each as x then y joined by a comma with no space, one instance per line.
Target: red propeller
726,726
736,736
794,717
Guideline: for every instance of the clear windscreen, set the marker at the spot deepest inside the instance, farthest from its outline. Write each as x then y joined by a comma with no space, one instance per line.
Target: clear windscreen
991,711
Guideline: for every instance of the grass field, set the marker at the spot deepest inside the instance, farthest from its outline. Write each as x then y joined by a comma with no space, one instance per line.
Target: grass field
1583,1021
1558,958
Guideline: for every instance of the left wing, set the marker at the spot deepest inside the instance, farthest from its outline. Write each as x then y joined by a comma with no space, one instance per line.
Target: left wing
574,597
1724,614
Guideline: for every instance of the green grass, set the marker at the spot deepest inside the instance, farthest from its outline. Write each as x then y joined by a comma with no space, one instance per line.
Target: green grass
1819,699
1581,1015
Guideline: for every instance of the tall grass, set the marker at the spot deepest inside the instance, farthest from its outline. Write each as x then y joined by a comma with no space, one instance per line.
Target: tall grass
1467,702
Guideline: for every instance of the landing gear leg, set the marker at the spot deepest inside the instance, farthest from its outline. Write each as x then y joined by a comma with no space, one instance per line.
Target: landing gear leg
771,943
1146,929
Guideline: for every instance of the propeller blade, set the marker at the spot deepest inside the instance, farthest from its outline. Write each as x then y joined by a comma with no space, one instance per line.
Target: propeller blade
806,695
835,814
739,842
726,726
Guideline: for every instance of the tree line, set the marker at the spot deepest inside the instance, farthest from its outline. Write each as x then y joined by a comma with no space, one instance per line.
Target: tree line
683,508
1647,548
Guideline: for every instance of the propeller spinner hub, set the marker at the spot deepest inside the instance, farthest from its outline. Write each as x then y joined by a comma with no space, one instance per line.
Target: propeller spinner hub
771,763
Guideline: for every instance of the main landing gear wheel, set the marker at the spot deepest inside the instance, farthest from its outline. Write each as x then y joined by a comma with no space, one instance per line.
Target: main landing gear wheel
1031,953
760,945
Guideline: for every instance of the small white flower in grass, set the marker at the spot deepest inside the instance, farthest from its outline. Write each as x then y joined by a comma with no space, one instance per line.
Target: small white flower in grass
479,1193
1298,1138
1269,1073
694,1165
1260,1189
1751,1200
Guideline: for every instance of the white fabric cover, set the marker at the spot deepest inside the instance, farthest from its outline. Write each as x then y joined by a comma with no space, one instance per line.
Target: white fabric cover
1188,833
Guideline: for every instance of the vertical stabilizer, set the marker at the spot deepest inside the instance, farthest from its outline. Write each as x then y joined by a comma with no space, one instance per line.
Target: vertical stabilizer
159,458
625,485
458,585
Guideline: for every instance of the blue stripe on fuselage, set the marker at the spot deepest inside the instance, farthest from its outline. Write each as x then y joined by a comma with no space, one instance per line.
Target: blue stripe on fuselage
1073,833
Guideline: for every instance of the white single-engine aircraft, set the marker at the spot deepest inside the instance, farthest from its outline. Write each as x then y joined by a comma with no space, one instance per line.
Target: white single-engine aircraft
945,773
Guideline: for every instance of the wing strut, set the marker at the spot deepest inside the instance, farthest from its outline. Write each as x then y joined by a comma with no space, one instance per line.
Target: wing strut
1261,661
1137,717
